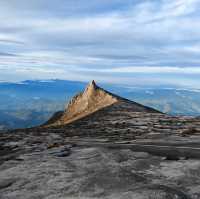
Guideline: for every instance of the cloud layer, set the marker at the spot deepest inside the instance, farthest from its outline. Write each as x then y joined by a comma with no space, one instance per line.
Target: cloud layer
130,42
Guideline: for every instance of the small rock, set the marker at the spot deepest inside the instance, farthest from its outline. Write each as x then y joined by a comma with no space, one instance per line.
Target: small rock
4,183
64,152
53,145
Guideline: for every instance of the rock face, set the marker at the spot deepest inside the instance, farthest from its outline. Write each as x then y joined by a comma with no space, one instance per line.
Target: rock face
91,100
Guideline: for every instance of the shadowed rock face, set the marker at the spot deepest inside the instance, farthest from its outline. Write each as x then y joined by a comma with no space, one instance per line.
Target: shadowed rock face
91,100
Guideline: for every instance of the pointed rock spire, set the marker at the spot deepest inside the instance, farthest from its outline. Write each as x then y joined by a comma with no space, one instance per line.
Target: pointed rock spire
91,88
93,83
92,99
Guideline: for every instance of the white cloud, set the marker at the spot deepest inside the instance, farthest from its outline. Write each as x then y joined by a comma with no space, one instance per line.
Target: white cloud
154,69
150,36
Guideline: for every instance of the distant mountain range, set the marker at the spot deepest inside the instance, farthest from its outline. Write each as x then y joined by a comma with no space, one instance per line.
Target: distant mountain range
31,103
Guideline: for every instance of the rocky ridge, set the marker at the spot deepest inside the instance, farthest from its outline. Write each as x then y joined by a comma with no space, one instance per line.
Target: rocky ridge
92,99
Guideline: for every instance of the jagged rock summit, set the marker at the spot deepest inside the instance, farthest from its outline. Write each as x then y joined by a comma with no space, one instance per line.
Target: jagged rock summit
92,99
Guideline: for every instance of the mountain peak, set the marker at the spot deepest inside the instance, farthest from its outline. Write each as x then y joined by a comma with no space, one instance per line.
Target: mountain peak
92,99
92,84
91,87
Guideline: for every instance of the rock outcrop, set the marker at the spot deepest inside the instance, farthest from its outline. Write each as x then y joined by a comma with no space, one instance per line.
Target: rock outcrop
92,99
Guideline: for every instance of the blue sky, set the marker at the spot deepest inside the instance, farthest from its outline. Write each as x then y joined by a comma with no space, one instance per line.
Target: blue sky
134,42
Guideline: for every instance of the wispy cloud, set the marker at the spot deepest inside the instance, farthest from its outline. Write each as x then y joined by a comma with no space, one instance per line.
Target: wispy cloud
150,70
117,38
